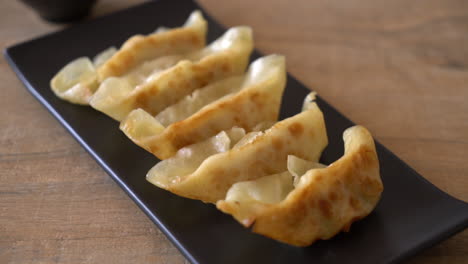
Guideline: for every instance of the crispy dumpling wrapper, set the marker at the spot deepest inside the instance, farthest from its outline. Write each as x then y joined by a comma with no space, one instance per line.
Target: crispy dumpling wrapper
188,160
321,203
227,56
242,101
137,49
261,154
78,80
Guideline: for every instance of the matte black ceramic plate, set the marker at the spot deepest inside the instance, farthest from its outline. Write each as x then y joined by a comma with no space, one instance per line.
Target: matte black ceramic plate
412,214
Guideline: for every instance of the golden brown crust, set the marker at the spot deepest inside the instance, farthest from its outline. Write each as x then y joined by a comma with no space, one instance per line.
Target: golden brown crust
226,57
186,78
239,111
140,48
256,159
257,101
326,201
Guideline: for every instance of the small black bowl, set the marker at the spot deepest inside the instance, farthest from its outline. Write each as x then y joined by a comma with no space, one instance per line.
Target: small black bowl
61,11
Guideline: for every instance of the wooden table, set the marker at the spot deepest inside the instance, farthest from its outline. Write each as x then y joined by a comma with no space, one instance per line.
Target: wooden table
398,67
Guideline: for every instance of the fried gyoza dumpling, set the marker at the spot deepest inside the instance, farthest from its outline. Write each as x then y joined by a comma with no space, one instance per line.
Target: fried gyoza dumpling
321,203
188,38
242,101
79,79
191,173
225,57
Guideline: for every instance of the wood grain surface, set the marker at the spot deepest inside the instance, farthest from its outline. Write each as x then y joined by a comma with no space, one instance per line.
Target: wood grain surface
398,67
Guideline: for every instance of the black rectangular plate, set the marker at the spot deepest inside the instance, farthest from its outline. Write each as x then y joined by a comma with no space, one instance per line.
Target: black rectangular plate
412,215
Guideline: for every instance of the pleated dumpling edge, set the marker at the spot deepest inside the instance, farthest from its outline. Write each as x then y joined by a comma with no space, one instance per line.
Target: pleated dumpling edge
242,101
168,84
78,80
137,49
256,155
322,201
